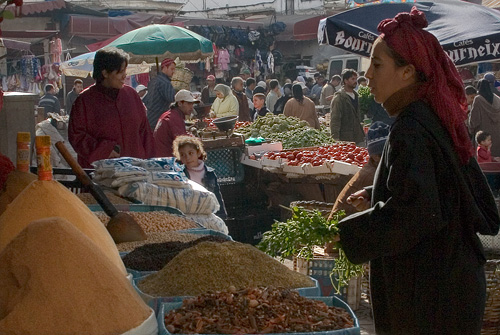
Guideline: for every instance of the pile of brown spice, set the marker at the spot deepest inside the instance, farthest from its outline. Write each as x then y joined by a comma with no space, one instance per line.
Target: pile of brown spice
166,236
211,266
55,281
255,311
43,199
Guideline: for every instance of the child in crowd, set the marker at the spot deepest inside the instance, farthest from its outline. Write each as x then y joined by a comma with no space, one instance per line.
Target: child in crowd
259,106
189,150
483,140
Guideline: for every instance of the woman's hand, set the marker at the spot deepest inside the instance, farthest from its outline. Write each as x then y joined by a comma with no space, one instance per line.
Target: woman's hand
212,115
360,200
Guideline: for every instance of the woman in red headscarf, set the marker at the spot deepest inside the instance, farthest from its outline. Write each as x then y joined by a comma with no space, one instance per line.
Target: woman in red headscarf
429,197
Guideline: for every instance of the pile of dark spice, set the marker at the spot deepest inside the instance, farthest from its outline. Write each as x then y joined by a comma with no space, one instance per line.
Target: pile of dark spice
255,311
154,256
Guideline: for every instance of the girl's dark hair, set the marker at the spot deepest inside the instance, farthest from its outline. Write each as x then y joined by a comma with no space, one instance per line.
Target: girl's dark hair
484,90
481,136
297,92
194,142
109,59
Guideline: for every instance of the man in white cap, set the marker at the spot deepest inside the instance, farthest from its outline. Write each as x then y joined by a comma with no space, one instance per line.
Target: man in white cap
172,123
141,90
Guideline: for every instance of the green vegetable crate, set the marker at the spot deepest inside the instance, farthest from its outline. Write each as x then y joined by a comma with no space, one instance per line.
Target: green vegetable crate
319,268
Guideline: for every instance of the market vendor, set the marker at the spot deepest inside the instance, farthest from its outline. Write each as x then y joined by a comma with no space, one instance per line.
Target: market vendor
225,104
172,123
109,114
208,94
429,199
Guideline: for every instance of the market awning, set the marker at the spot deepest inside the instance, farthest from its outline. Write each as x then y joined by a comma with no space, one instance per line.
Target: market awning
16,45
298,27
29,33
39,7
106,27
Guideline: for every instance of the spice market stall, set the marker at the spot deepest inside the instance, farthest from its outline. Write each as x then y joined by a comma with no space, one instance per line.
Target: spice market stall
81,266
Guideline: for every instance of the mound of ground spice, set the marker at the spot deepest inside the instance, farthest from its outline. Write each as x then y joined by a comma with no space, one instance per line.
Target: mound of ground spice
56,281
43,199
211,266
16,182
154,256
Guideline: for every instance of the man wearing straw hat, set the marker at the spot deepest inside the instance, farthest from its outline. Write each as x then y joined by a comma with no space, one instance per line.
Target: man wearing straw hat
161,92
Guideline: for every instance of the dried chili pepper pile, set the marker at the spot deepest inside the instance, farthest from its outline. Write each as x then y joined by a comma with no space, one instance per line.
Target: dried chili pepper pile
255,311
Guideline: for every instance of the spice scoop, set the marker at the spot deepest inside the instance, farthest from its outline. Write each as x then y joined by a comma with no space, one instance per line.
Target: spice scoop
122,227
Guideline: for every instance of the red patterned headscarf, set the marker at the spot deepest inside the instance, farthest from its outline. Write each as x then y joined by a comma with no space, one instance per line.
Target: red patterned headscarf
443,88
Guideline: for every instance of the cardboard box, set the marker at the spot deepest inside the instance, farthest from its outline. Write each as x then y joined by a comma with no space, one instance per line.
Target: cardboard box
293,169
272,162
343,167
251,149
257,163
309,169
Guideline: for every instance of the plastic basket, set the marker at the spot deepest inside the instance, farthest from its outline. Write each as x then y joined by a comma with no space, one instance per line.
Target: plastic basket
156,302
320,268
329,301
227,164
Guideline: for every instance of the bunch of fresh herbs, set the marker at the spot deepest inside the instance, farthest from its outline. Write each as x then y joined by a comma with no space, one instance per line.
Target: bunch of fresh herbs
301,233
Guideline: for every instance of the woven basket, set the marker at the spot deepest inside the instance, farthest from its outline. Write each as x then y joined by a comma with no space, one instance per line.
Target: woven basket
491,318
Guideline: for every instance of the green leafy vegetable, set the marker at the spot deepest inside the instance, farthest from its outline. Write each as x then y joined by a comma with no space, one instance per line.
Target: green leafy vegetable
298,236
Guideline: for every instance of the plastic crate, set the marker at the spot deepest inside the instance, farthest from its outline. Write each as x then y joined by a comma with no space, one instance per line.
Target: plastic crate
329,301
320,268
251,227
227,164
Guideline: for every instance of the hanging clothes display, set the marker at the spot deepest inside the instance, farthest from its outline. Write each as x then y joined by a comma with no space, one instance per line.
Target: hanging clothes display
56,50
224,59
270,62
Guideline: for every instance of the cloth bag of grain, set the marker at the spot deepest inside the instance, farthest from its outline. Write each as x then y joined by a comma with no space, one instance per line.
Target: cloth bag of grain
42,199
193,200
56,281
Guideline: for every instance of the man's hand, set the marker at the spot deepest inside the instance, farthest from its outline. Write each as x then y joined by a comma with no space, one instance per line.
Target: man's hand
360,200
